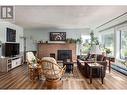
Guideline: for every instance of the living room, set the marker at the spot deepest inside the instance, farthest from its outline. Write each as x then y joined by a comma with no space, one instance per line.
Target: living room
64,32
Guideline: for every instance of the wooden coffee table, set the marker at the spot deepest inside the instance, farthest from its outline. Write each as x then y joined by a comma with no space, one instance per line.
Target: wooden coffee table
98,66
69,67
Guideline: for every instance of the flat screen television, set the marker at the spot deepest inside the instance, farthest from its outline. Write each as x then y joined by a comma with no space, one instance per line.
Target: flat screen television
11,49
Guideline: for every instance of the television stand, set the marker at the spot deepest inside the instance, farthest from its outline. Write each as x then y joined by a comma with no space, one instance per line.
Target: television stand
8,63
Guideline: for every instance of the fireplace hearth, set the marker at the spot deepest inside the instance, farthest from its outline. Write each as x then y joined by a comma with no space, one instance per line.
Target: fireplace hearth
64,54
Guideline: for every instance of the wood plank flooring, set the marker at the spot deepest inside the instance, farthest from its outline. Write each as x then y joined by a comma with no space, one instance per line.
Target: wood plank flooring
18,79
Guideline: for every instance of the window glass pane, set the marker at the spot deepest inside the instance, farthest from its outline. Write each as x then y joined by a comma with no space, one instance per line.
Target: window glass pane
123,45
85,38
108,42
85,44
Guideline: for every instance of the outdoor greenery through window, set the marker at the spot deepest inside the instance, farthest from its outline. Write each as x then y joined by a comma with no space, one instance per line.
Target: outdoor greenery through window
108,42
85,43
123,45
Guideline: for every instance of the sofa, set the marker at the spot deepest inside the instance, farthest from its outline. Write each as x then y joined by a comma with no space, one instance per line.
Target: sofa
82,65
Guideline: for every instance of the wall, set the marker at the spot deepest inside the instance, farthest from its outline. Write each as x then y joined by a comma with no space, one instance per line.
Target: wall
34,35
19,33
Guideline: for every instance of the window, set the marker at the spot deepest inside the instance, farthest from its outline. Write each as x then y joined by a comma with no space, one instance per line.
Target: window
86,38
85,44
123,44
108,42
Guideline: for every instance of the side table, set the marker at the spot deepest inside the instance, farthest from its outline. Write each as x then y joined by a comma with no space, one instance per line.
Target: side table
110,59
34,72
97,66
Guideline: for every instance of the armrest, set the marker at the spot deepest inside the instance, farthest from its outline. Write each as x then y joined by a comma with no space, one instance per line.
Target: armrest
89,61
38,60
62,70
104,63
94,61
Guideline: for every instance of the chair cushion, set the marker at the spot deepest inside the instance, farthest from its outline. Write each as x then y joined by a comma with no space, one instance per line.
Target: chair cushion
30,57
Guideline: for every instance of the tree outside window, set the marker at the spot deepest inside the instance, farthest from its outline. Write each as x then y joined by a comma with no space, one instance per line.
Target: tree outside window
85,44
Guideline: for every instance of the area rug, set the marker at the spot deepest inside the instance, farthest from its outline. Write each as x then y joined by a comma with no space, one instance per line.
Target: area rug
74,75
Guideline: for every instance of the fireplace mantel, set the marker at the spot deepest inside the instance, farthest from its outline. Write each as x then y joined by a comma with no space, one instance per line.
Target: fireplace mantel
45,49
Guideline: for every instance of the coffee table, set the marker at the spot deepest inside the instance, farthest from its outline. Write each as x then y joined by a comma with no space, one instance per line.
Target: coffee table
69,67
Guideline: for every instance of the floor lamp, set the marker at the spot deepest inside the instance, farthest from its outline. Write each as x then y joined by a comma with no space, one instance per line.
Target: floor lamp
95,49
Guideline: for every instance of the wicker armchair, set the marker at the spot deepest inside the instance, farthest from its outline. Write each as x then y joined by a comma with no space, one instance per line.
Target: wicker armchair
34,66
52,71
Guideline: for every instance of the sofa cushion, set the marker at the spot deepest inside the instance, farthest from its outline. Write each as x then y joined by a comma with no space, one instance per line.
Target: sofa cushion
100,57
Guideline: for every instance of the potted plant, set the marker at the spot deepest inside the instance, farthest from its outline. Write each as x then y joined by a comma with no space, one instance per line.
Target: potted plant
124,63
33,62
79,40
107,50
70,40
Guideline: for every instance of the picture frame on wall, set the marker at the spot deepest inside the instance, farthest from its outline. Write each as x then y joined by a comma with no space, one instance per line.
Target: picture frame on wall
10,35
57,36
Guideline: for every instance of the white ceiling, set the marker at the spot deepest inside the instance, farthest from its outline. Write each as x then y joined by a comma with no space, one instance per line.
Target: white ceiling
66,16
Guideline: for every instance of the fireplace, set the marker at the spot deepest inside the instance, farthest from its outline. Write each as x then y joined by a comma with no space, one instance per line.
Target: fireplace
64,54
52,55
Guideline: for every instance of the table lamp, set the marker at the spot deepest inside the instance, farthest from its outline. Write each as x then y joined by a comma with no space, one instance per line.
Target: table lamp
95,49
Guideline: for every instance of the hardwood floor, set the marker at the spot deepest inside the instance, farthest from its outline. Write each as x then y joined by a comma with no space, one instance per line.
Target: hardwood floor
18,79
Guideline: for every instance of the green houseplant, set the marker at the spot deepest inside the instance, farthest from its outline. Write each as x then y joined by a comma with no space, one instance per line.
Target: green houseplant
70,40
107,50
79,40
33,62
124,63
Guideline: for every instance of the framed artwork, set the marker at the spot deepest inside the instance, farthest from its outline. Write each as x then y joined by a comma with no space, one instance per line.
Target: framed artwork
11,35
57,36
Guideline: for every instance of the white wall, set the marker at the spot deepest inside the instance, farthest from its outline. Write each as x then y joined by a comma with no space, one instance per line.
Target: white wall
43,34
19,33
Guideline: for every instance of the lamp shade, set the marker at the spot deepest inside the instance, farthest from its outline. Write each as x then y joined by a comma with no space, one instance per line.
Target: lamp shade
95,49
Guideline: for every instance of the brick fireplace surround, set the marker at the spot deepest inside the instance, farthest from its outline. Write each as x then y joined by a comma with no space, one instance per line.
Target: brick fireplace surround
46,49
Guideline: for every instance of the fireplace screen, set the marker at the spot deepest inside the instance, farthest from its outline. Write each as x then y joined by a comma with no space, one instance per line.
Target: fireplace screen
64,54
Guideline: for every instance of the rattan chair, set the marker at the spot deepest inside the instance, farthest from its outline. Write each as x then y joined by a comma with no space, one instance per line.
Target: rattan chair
34,66
52,71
